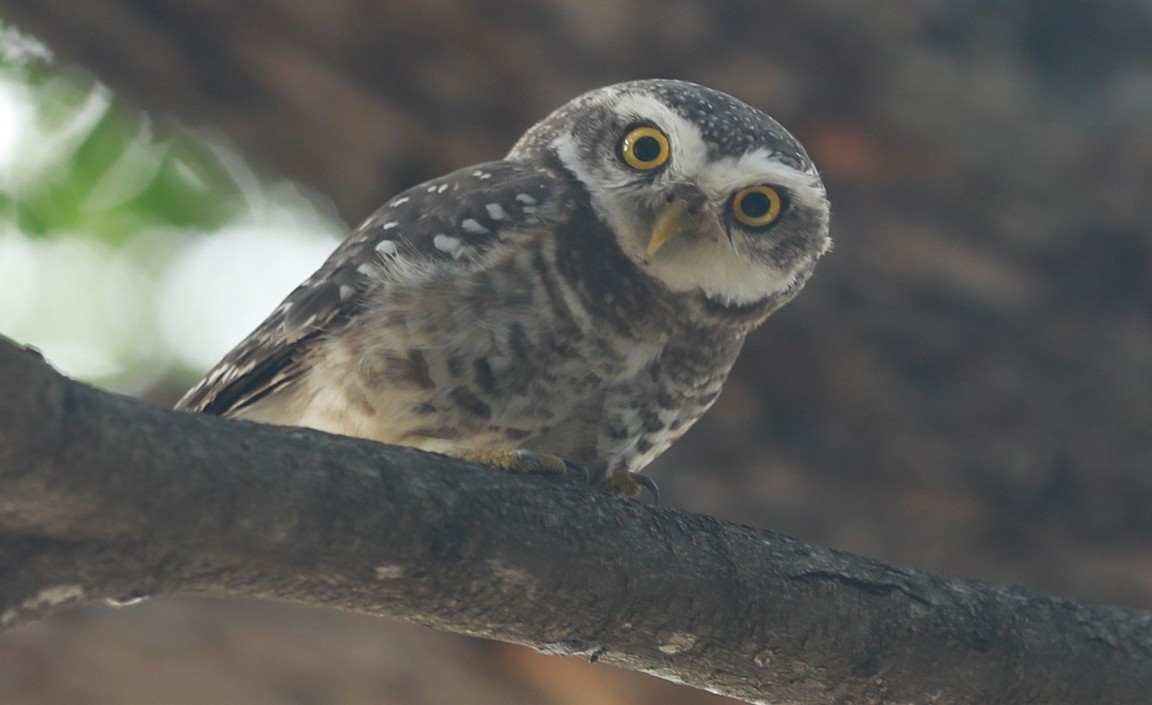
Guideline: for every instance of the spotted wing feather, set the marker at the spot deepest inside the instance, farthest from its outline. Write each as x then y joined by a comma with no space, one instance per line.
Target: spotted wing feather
450,220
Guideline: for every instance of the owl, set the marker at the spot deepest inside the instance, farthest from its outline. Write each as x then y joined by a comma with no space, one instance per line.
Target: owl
578,303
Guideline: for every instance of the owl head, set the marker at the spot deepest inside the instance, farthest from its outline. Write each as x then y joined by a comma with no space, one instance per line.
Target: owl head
703,192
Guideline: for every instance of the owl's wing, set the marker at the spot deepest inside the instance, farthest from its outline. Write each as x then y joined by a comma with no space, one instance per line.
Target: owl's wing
450,220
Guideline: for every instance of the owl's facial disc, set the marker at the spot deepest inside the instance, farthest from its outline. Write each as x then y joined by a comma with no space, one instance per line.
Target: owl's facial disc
736,229
706,195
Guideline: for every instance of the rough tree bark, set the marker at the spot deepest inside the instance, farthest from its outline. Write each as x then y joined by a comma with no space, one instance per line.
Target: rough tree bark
104,496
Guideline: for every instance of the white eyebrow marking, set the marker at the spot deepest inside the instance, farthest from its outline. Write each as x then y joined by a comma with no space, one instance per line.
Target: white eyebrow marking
728,174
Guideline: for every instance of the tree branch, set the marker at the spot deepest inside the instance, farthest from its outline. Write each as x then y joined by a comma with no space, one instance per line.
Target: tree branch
103,496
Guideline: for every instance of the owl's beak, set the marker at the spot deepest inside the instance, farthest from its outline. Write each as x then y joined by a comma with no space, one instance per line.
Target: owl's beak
668,223
685,201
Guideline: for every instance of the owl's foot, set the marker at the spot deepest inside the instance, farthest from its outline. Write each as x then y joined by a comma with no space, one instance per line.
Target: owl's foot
629,485
521,460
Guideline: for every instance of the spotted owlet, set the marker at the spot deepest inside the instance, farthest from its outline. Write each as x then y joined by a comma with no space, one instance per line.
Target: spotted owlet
583,298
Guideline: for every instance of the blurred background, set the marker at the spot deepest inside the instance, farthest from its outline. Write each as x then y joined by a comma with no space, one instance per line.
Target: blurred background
965,385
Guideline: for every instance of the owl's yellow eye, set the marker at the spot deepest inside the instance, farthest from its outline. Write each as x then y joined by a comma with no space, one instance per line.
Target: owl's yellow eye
644,148
757,206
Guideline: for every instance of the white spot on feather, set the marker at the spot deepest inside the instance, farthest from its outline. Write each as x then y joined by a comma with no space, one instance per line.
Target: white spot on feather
470,225
386,247
448,245
495,211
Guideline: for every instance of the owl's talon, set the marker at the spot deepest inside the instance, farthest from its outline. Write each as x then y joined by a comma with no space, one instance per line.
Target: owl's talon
548,465
629,485
529,461
650,485
577,469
